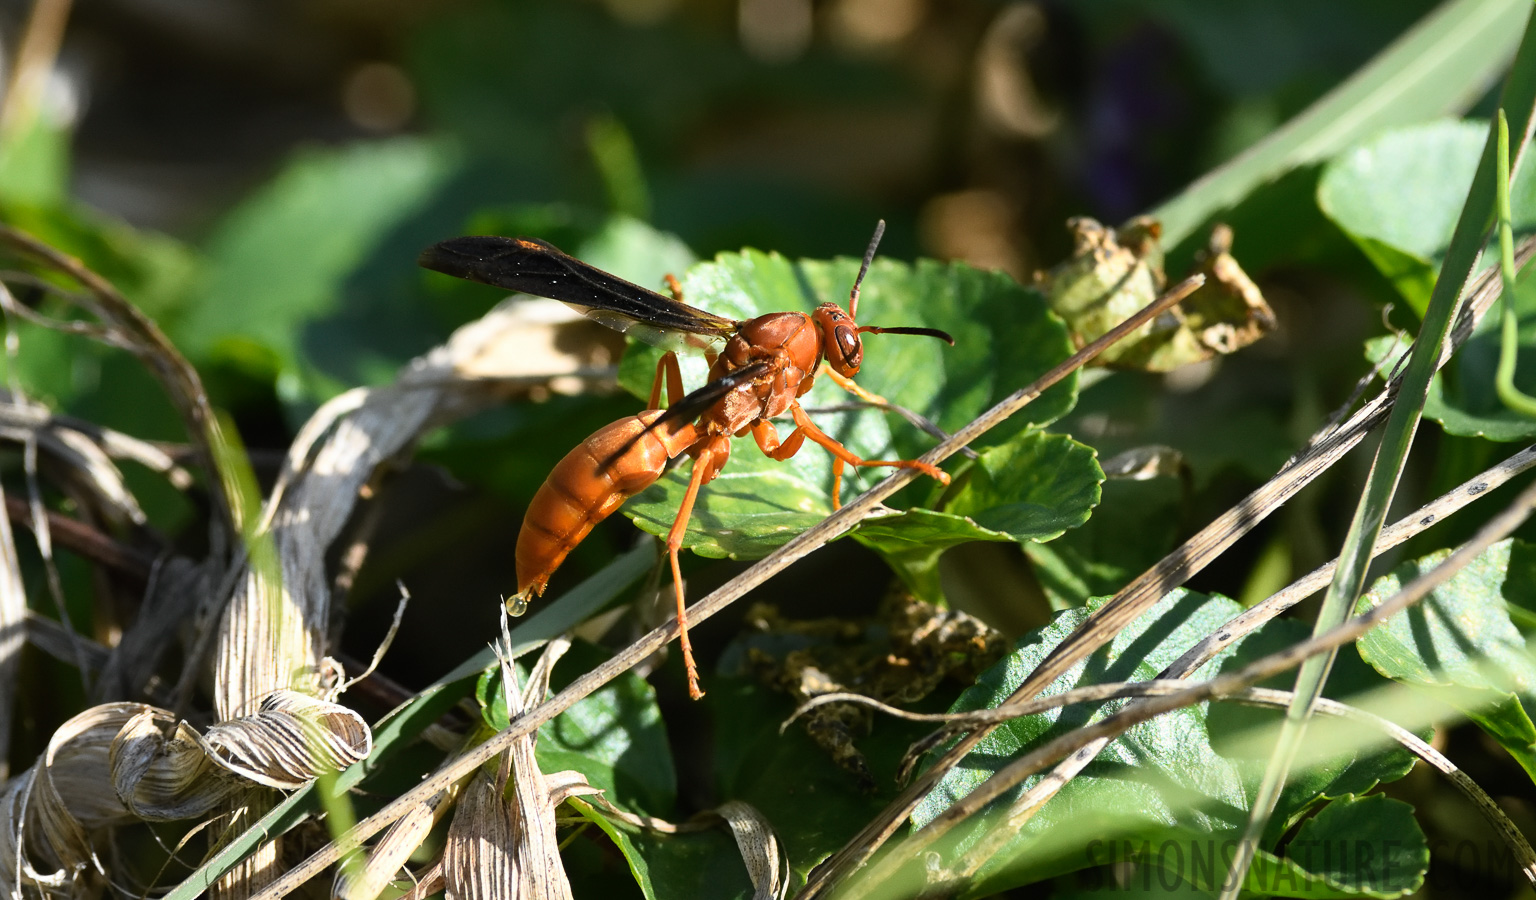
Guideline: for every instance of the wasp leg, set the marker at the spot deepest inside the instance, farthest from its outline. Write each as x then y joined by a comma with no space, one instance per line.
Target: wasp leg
852,387
674,286
841,454
666,370
767,438
705,466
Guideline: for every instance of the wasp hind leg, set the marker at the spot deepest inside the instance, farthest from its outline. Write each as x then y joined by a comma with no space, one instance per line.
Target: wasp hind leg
667,372
705,467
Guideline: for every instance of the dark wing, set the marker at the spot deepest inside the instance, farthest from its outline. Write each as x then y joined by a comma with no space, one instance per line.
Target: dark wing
534,267
696,403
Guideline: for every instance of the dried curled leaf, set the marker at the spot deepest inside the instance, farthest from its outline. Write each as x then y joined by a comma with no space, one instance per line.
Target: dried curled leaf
1228,312
290,741
163,776
1112,273
52,808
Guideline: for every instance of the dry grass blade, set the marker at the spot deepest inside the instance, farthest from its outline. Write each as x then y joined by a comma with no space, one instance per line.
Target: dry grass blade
143,337
502,842
166,776
1077,742
13,617
1132,600
760,850
480,858
53,808
1519,847
292,740
76,455
833,526
390,854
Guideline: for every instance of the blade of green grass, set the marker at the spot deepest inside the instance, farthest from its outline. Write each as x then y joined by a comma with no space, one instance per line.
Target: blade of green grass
1349,578
1441,65
1513,397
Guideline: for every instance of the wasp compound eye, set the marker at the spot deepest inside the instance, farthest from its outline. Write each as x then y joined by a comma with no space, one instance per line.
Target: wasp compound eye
848,342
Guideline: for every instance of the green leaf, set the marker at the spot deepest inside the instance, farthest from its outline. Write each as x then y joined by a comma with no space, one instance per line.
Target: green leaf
1398,196
1134,525
1030,489
1440,66
1354,847
1459,645
1004,337
280,263
616,738
1160,780
814,805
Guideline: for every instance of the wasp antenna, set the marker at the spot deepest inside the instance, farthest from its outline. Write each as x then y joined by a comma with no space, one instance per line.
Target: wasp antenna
904,329
869,256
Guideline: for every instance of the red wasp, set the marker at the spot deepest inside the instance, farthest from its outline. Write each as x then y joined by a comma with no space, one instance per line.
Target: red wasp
764,366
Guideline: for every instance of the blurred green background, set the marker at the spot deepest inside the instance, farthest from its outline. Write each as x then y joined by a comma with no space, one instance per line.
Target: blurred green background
259,177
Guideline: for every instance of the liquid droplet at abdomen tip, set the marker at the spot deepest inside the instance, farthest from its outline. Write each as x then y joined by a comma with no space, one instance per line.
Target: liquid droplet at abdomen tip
516,605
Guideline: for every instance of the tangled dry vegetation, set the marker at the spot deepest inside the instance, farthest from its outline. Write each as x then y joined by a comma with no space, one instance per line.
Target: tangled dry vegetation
255,612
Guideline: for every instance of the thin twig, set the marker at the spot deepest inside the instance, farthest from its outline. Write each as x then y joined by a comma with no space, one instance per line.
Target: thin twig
85,540
1513,838
1137,596
1408,526
835,525
389,638
1115,725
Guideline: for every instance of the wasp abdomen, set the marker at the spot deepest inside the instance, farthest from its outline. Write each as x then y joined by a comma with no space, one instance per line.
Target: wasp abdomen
592,481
